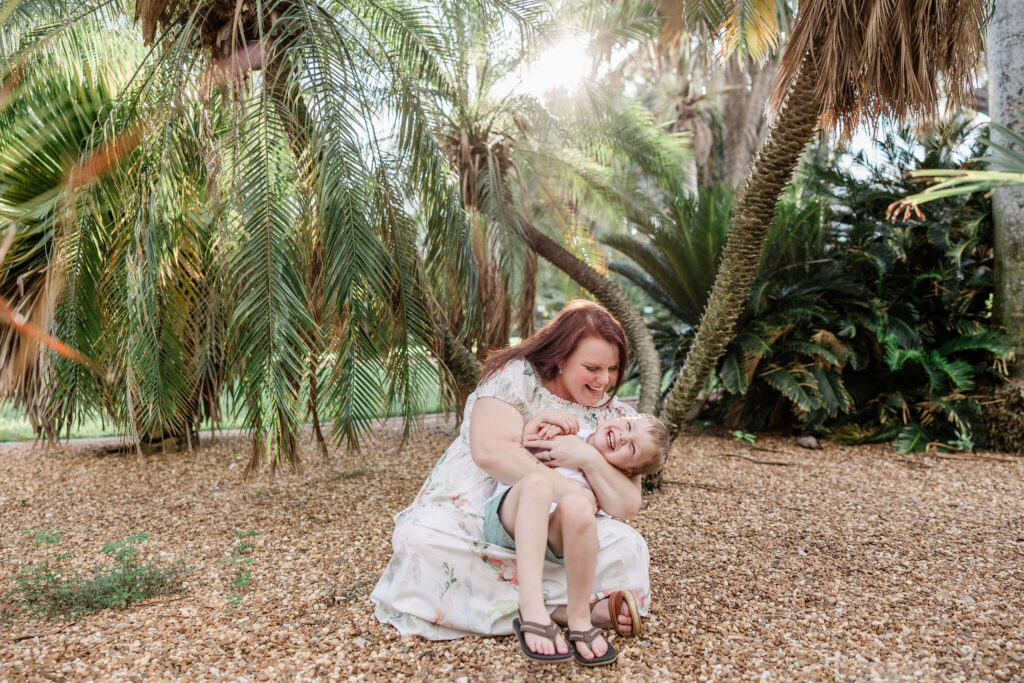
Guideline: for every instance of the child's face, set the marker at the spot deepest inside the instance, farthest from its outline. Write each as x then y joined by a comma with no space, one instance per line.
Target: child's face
624,443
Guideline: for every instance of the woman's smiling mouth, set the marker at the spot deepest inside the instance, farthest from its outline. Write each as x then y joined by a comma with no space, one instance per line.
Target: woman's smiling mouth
610,440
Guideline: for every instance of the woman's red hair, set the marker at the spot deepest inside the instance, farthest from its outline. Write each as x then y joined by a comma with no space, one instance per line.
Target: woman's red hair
553,343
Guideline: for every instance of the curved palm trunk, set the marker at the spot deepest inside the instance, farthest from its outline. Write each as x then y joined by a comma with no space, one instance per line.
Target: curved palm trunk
612,298
461,363
769,173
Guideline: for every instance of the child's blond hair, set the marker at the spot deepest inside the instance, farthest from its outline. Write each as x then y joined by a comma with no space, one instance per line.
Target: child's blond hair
662,442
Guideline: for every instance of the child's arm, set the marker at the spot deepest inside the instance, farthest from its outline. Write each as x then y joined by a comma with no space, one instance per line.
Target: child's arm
550,423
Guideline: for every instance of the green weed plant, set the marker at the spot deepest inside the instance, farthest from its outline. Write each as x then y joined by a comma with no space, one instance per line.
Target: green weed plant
54,589
41,537
241,558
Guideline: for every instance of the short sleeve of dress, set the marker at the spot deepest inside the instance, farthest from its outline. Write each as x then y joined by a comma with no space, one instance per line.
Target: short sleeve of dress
514,384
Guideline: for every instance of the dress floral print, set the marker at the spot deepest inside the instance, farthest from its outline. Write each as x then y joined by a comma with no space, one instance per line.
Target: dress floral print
443,581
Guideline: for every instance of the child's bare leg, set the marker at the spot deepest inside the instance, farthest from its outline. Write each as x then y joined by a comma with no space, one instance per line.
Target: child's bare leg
573,531
524,514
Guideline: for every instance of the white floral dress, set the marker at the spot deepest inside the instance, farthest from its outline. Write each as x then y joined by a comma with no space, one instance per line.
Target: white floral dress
443,580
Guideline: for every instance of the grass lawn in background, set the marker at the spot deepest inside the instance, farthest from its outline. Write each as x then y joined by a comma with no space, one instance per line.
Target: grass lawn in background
15,425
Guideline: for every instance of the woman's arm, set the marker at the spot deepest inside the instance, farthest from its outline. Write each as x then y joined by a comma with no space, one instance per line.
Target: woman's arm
617,494
495,433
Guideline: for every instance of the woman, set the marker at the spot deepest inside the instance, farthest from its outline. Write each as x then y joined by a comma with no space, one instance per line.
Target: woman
443,580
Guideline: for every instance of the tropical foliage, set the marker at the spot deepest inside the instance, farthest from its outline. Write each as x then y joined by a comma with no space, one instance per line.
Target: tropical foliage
1007,168
252,232
843,62
855,325
536,174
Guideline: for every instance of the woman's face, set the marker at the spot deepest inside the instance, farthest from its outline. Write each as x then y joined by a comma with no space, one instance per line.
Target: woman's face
588,372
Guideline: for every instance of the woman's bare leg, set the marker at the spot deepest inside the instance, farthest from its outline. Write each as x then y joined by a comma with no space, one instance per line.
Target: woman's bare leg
524,514
573,530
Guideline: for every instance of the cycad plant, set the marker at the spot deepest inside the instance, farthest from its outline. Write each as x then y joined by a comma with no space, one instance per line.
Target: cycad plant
783,349
261,240
854,326
933,347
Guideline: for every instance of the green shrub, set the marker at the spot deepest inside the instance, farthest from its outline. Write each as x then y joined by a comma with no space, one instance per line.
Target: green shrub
857,326
54,589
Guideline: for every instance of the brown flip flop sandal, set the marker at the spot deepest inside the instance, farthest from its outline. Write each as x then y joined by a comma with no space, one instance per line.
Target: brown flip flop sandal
615,600
549,631
588,637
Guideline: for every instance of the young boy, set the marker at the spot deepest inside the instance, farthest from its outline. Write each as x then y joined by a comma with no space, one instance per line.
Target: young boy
527,518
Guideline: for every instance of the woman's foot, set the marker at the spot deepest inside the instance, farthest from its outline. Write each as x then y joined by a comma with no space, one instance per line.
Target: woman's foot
538,644
599,616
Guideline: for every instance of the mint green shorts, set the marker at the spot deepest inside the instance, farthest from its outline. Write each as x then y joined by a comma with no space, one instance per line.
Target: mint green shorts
495,534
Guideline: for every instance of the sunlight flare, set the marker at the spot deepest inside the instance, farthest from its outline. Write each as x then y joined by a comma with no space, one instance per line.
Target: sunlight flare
562,66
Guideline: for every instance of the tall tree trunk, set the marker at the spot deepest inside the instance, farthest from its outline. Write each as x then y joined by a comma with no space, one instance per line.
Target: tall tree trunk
768,175
748,85
1006,99
612,298
1002,418
528,297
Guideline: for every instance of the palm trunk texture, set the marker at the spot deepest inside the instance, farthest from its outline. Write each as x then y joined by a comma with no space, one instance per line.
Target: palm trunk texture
459,360
1006,100
769,173
1002,416
612,298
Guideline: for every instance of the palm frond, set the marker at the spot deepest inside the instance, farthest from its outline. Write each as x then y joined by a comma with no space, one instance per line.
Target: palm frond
884,58
269,321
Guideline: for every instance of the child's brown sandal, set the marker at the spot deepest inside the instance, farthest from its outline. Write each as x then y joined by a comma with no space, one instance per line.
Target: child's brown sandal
549,631
588,637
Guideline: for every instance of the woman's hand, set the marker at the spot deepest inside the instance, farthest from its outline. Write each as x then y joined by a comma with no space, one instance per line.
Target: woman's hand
563,451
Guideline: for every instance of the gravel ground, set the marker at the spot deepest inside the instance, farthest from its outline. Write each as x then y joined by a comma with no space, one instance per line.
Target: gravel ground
841,563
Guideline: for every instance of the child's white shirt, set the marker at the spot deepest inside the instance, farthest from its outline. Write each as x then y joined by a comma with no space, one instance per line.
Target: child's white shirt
573,474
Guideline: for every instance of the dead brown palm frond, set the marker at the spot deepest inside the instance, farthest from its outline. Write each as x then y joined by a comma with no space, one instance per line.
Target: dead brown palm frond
472,150
225,27
29,311
28,320
884,58
9,84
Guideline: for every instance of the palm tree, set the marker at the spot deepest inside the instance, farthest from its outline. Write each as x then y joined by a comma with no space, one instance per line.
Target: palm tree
527,169
843,63
262,243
